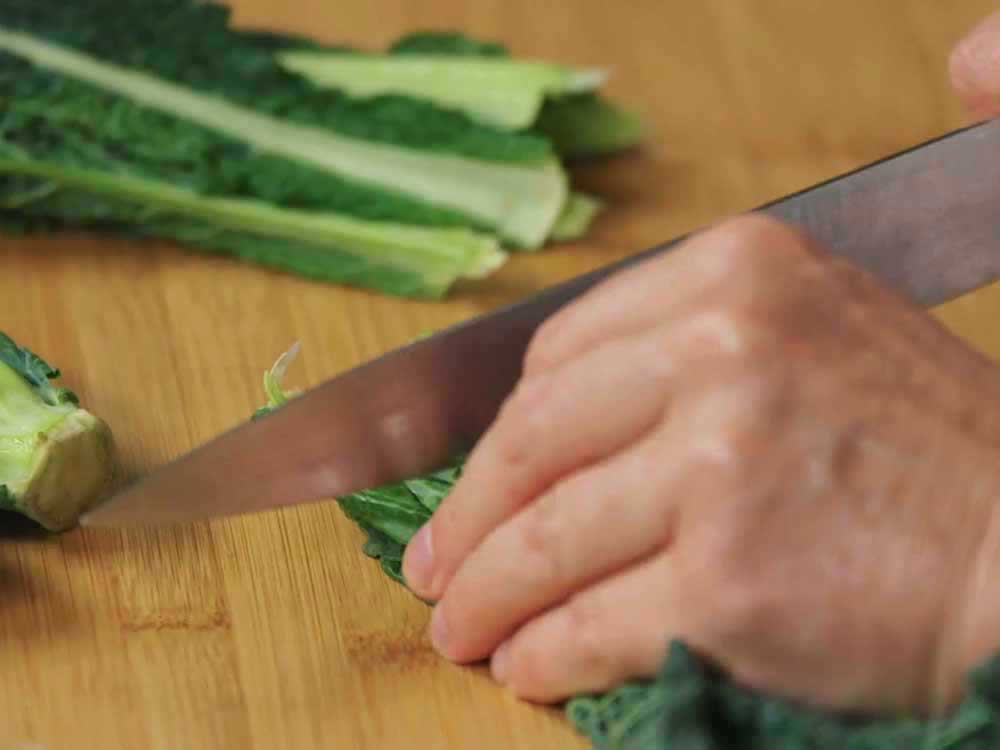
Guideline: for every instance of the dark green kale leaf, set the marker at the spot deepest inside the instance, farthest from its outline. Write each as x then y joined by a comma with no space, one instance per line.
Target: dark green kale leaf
392,514
393,510
199,109
68,122
76,156
195,43
446,43
693,706
36,371
430,490
579,125
7,501
587,125
388,552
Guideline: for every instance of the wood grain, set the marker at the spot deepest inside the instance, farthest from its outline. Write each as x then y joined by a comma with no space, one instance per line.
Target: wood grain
274,631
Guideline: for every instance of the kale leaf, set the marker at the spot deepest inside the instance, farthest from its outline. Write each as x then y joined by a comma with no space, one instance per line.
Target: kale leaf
35,370
195,44
157,119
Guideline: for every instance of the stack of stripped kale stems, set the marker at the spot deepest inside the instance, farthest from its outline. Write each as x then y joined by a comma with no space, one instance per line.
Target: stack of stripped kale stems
402,171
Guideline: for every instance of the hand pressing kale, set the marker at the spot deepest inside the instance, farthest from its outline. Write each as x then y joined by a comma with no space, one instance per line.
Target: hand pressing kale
751,446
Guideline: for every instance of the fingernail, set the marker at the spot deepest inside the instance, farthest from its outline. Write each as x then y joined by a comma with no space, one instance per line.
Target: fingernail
418,567
499,663
439,632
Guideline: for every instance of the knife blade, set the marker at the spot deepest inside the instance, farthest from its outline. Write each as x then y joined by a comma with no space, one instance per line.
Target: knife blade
926,221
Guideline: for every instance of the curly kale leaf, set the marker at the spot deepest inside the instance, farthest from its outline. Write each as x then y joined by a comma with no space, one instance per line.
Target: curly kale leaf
446,43
692,705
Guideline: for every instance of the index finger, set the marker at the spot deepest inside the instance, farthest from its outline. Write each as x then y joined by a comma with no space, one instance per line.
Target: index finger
550,427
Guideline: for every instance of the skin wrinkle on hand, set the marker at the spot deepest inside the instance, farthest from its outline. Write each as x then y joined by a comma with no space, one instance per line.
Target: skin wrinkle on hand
979,620
823,456
942,572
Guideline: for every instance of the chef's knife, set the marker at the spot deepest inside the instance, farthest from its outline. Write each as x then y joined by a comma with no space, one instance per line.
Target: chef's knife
926,221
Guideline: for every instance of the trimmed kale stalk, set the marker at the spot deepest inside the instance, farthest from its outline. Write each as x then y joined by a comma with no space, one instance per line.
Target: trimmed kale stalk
691,704
276,394
410,261
482,80
158,119
498,91
55,457
578,121
392,159
73,155
576,218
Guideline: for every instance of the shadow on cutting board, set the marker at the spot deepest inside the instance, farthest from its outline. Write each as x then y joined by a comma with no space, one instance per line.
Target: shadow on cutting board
32,609
14,526
17,527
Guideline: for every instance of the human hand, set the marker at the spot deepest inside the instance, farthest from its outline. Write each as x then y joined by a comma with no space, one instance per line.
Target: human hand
747,444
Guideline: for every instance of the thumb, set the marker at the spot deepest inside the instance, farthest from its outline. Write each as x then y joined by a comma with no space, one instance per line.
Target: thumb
974,67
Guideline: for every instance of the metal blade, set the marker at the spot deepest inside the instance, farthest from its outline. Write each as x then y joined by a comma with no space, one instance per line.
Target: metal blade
926,221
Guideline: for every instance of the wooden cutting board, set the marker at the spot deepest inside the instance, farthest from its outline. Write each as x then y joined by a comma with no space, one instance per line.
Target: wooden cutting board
275,631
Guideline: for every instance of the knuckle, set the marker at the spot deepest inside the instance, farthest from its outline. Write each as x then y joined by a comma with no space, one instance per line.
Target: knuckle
743,417
729,329
588,635
767,235
746,243
731,341
541,542
530,399
521,419
456,616
721,448
544,348
531,667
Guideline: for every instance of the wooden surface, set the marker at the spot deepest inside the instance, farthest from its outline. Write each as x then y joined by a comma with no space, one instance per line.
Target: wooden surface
274,631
